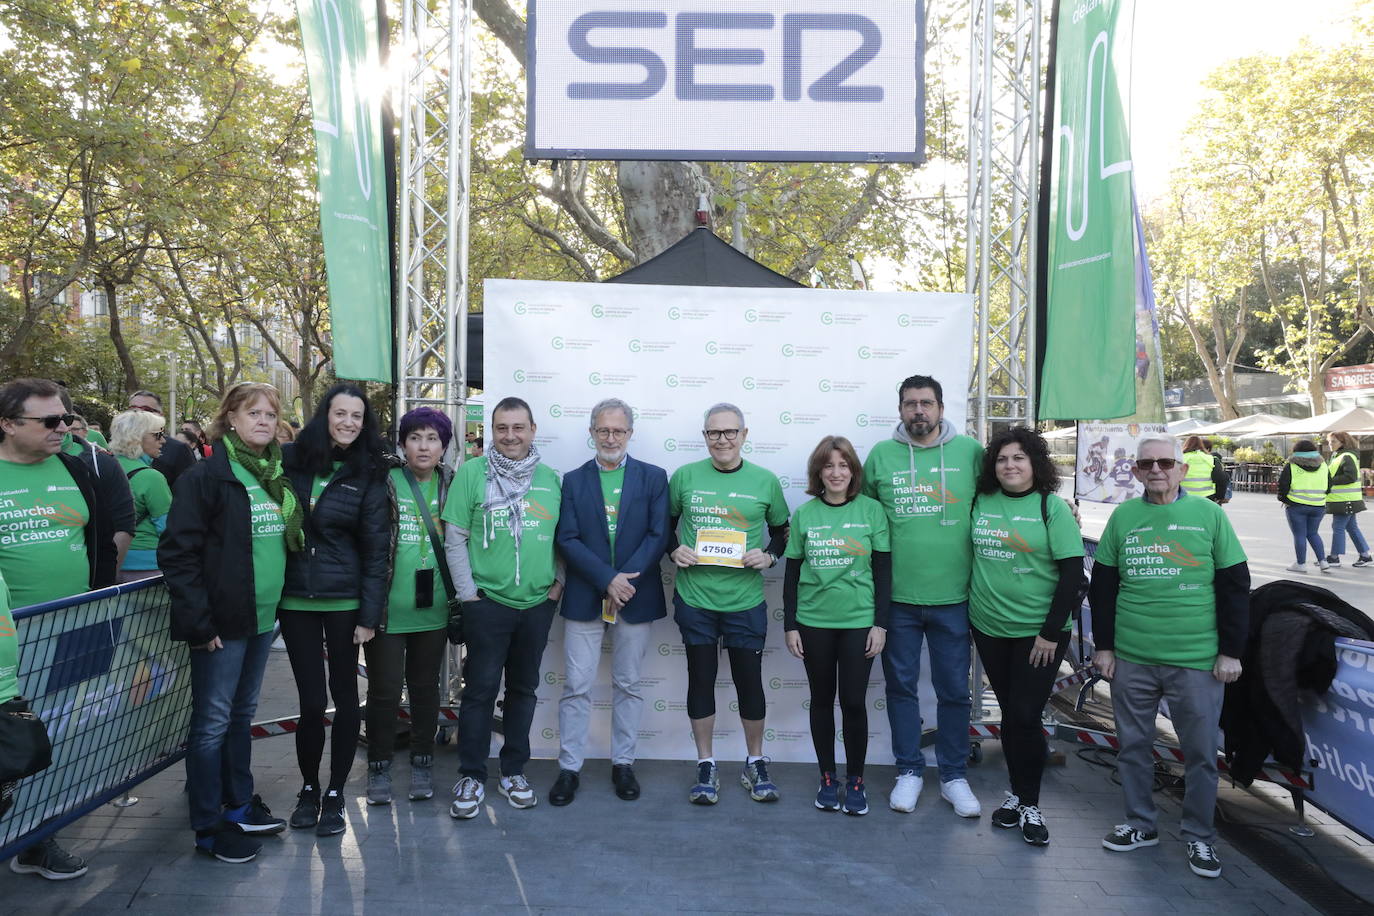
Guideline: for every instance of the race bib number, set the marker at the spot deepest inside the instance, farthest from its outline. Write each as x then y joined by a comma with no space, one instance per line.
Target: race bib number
720,547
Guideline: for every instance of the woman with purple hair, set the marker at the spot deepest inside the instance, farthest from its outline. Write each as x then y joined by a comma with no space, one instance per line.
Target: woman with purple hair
412,647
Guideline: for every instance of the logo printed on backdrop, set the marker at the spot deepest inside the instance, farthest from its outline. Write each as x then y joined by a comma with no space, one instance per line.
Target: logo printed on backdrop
750,383
635,345
839,386
791,417
609,378
804,351
726,348
916,321
848,319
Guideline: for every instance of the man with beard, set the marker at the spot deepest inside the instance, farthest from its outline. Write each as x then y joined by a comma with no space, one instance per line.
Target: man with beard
612,532
925,477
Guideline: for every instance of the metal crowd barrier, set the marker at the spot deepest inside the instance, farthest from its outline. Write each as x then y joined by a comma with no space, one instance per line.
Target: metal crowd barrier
115,693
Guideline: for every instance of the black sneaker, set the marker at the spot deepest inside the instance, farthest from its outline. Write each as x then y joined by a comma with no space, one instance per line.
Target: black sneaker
1202,859
1124,838
228,843
564,788
255,817
331,815
1364,560
49,860
1333,561
307,812
1009,815
1033,829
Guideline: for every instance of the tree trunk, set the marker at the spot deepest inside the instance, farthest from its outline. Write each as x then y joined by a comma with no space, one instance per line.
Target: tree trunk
660,204
126,361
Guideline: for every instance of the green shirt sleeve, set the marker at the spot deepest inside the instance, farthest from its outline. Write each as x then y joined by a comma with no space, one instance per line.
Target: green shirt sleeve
777,503
158,495
795,549
1106,545
1226,547
1066,540
675,494
882,538
458,507
870,487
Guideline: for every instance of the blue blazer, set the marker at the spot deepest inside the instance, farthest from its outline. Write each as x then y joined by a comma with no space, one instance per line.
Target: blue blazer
641,538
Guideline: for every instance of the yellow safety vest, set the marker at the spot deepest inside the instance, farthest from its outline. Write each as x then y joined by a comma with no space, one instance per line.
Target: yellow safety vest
1308,488
1345,492
1198,480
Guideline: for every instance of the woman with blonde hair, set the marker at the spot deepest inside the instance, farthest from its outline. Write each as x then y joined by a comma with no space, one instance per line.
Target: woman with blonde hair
136,439
223,556
1345,499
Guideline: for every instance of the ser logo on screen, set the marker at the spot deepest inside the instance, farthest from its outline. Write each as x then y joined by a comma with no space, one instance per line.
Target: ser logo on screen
714,39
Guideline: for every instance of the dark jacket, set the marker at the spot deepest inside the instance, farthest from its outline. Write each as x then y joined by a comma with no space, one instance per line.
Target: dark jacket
641,537
206,554
349,539
101,555
110,481
1292,647
174,460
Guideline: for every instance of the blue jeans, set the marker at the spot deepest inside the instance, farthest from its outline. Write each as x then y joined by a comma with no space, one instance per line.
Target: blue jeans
219,747
1305,523
946,627
1340,524
500,638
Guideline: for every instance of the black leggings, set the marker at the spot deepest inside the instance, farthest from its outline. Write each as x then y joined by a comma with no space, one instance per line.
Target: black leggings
746,670
1022,691
307,634
834,658
417,657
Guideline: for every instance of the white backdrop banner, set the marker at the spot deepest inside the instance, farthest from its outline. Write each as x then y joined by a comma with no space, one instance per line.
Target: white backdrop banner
801,363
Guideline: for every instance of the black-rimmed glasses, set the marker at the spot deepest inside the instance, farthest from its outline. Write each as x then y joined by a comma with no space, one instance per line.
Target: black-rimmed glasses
715,435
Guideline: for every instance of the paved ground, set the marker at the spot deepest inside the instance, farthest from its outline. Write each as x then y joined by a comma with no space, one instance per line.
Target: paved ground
662,855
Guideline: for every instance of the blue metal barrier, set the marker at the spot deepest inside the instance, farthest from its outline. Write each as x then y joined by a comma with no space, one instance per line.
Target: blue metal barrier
115,693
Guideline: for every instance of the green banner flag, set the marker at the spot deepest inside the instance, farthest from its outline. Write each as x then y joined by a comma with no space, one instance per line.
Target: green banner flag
342,59
1087,370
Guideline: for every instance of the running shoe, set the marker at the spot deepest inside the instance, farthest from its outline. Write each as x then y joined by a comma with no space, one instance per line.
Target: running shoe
1009,815
828,795
958,794
49,860
1124,838
255,817
421,777
855,797
379,782
754,777
468,796
707,789
518,791
228,843
905,792
1202,859
1033,829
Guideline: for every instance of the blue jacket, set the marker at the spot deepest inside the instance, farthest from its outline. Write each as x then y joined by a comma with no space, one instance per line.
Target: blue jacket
641,538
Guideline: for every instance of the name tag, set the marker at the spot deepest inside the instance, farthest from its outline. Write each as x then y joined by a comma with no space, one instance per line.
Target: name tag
720,547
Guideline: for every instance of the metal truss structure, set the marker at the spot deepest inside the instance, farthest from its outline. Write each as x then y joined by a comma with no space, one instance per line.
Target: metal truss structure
1003,176
435,167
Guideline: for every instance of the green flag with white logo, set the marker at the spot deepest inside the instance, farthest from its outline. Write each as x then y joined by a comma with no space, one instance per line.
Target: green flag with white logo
1086,370
342,58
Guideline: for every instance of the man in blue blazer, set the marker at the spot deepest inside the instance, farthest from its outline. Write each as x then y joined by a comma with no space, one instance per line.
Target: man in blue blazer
612,531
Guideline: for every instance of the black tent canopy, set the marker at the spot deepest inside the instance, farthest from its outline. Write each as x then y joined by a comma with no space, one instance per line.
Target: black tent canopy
700,259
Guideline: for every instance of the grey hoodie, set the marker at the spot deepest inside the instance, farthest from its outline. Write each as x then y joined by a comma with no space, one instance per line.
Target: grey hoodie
947,433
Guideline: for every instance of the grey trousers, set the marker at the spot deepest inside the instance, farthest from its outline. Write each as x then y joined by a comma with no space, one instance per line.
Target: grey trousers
581,656
1194,698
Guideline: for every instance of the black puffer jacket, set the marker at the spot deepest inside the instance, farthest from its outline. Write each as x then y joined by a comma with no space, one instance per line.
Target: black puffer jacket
349,535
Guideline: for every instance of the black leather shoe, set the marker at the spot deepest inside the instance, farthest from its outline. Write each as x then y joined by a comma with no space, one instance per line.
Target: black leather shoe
564,788
626,786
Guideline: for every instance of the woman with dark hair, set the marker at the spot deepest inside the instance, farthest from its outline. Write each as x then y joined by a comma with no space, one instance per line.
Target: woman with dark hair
836,593
1206,475
1027,579
1345,500
223,556
336,589
412,648
1303,485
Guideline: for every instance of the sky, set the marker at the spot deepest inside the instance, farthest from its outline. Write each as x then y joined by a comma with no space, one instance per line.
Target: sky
1178,42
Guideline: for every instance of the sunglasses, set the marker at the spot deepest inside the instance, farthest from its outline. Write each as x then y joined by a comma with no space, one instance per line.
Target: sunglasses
52,421
1147,464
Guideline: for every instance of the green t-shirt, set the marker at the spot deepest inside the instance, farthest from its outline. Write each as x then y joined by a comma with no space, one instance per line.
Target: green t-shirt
414,551
1167,557
152,502
837,543
748,499
1015,557
491,547
9,648
42,532
269,547
300,603
94,435
612,482
928,514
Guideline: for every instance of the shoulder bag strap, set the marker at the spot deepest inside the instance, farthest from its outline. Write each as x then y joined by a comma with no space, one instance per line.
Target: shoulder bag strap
440,557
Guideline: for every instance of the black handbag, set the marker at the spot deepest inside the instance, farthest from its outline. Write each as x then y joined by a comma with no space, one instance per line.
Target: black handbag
455,607
24,745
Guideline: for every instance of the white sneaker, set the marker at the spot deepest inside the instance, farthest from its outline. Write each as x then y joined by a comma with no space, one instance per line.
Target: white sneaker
1324,566
468,801
518,792
1297,568
958,794
905,792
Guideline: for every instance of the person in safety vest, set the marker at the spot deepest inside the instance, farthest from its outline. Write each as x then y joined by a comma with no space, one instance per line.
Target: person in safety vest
1303,484
1345,499
1206,476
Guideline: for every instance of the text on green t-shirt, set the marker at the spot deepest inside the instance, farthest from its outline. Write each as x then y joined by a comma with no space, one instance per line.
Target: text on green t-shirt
612,482
42,532
268,532
836,544
414,551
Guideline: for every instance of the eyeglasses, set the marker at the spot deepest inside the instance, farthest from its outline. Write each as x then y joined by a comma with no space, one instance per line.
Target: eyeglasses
715,434
605,432
159,435
52,421
1147,464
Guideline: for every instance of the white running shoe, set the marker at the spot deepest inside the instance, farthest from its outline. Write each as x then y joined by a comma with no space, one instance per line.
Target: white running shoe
468,798
1297,568
518,792
958,794
905,792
